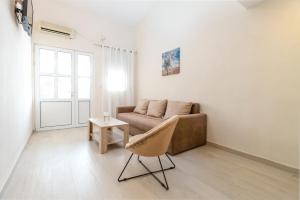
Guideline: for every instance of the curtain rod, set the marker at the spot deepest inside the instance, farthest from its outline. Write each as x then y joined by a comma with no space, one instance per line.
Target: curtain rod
105,46
117,48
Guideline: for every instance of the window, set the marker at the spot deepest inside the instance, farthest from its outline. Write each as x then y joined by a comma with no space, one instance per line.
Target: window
55,74
47,61
64,87
64,62
47,87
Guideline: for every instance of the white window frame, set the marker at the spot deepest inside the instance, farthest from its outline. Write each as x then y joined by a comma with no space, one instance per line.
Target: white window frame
74,86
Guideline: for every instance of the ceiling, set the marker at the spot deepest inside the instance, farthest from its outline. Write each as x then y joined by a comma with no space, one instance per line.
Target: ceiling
126,12
131,12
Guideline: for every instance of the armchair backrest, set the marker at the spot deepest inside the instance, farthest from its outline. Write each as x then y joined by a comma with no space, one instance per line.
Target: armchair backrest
155,142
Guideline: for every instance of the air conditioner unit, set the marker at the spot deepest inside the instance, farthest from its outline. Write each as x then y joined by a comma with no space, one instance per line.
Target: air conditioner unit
58,30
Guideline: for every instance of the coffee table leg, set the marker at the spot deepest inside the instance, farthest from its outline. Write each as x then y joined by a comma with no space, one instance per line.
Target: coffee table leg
126,135
103,141
90,130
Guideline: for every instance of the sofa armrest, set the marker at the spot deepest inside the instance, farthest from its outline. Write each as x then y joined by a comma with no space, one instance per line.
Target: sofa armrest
124,109
191,118
192,123
189,133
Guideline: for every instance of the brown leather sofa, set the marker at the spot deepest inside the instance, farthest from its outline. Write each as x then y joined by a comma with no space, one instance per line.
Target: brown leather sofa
189,133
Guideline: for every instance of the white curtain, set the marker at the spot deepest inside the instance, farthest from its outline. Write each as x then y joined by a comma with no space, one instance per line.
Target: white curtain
117,79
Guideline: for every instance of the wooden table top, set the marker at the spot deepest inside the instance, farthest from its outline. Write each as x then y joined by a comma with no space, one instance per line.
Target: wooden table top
108,123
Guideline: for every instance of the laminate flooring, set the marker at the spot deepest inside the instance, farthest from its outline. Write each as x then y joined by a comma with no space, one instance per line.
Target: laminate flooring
63,164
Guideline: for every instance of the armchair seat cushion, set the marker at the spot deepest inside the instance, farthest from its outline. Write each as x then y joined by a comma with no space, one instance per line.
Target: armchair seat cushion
142,122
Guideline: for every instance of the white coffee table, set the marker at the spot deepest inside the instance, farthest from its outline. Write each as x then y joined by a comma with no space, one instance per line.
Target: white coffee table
106,136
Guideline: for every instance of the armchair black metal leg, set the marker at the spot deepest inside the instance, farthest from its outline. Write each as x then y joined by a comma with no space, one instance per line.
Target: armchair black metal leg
170,160
151,173
138,158
165,185
124,169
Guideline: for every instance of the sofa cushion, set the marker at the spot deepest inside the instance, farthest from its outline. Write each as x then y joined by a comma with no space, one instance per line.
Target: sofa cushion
142,122
142,106
157,108
177,108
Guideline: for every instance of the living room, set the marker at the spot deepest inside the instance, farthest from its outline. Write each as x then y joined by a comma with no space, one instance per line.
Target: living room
149,99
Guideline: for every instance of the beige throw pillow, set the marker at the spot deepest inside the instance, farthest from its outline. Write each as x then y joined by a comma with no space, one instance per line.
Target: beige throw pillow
142,106
157,108
177,108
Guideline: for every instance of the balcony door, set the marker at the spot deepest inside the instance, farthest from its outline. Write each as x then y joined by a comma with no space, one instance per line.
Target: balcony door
62,88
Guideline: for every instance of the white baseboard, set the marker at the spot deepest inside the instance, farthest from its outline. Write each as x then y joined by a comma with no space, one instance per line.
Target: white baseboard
12,166
256,158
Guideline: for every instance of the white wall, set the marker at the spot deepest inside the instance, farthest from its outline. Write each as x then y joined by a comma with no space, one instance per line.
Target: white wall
15,90
89,27
241,65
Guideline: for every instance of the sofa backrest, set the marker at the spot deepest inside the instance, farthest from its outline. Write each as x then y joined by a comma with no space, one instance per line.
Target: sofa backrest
195,108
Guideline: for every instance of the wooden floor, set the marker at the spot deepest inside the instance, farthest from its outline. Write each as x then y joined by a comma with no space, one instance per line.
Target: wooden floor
64,165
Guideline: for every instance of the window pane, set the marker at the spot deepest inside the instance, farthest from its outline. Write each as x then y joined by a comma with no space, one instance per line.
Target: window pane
83,88
47,61
64,87
84,65
64,62
46,87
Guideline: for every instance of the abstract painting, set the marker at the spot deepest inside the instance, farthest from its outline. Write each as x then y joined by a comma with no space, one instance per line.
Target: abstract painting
171,62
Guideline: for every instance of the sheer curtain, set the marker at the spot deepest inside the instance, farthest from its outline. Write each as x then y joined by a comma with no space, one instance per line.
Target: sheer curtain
117,80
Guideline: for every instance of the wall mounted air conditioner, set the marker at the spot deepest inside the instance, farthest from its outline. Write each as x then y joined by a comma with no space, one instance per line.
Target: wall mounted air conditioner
58,30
